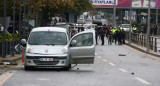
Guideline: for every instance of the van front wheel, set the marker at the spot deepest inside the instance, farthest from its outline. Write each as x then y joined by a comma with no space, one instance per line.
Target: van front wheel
68,67
27,68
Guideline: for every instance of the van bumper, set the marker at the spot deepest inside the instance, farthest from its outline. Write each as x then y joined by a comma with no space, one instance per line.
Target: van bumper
34,61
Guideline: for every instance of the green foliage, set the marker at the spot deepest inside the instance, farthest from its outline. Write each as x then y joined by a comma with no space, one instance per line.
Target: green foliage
8,37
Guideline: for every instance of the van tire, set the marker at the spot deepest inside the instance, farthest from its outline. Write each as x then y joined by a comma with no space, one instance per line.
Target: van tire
27,68
68,67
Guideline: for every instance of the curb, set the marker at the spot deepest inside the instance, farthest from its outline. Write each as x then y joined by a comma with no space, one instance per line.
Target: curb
143,50
10,62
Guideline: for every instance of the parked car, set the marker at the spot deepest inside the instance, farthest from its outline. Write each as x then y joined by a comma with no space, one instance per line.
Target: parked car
125,27
50,46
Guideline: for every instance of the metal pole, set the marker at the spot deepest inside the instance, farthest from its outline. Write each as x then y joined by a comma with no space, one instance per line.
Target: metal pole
114,14
19,29
130,23
24,29
28,16
148,29
157,14
13,28
4,25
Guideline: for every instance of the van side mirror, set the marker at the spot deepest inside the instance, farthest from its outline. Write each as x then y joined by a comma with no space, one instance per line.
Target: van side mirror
73,43
23,42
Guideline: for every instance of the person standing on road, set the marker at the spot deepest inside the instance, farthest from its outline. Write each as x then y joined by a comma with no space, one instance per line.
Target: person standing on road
102,34
121,27
110,36
97,33
123,36
114,34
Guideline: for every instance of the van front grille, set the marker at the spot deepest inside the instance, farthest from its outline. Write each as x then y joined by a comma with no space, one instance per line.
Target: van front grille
37,62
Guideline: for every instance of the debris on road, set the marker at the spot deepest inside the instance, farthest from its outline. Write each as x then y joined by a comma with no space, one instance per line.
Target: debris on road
122,55
132,73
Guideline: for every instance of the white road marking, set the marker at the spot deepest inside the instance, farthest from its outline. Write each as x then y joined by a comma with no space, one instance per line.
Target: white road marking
96,54
104,59
123,70
6,76
111,64
99,57
142,80
43,79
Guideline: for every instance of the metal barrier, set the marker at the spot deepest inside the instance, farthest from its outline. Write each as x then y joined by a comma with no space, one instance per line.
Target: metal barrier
8,47
141,39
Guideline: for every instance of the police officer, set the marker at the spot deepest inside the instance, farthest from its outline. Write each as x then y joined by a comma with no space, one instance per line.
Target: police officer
121,27
97,33
134,29
102,34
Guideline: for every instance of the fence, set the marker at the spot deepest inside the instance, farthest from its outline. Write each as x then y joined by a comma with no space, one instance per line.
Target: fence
141,39
8,47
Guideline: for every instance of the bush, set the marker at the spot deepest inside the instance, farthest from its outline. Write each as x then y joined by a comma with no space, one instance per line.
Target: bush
8,37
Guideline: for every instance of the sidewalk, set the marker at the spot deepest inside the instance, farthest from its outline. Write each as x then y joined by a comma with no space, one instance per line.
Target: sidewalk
143,49
10,59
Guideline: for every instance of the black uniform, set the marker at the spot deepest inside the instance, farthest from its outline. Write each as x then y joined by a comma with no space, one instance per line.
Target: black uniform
102,33
97,33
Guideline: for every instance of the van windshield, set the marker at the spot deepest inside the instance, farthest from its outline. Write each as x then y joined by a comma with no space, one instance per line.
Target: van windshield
47,38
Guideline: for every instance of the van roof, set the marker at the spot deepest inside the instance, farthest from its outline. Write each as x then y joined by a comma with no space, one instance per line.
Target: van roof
58,29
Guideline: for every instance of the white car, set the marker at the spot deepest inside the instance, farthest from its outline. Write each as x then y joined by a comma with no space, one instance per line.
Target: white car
50,46
125,27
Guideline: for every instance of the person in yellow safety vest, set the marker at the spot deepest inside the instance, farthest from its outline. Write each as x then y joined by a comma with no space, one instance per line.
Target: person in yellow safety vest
121,27
114,33
134,29
113,30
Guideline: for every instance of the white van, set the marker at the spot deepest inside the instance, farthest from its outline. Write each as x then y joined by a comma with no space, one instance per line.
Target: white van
50,46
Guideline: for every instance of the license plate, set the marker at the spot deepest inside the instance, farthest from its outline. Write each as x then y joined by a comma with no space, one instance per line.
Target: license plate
46,59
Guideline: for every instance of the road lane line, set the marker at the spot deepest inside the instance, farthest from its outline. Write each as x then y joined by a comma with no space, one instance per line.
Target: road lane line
104,60
143,53
5,76
111,64
123,70
142,80
99,57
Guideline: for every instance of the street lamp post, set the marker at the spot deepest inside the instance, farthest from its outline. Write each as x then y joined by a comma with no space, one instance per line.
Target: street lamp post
28,16
24,29
130,23
114,14
157,14
148,29
4,25
13,28
19,26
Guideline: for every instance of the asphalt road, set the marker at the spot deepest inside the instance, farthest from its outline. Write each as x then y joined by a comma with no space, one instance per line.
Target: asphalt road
115,65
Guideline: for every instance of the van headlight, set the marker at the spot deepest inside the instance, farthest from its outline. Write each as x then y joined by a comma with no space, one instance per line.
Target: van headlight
64,50
30,50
